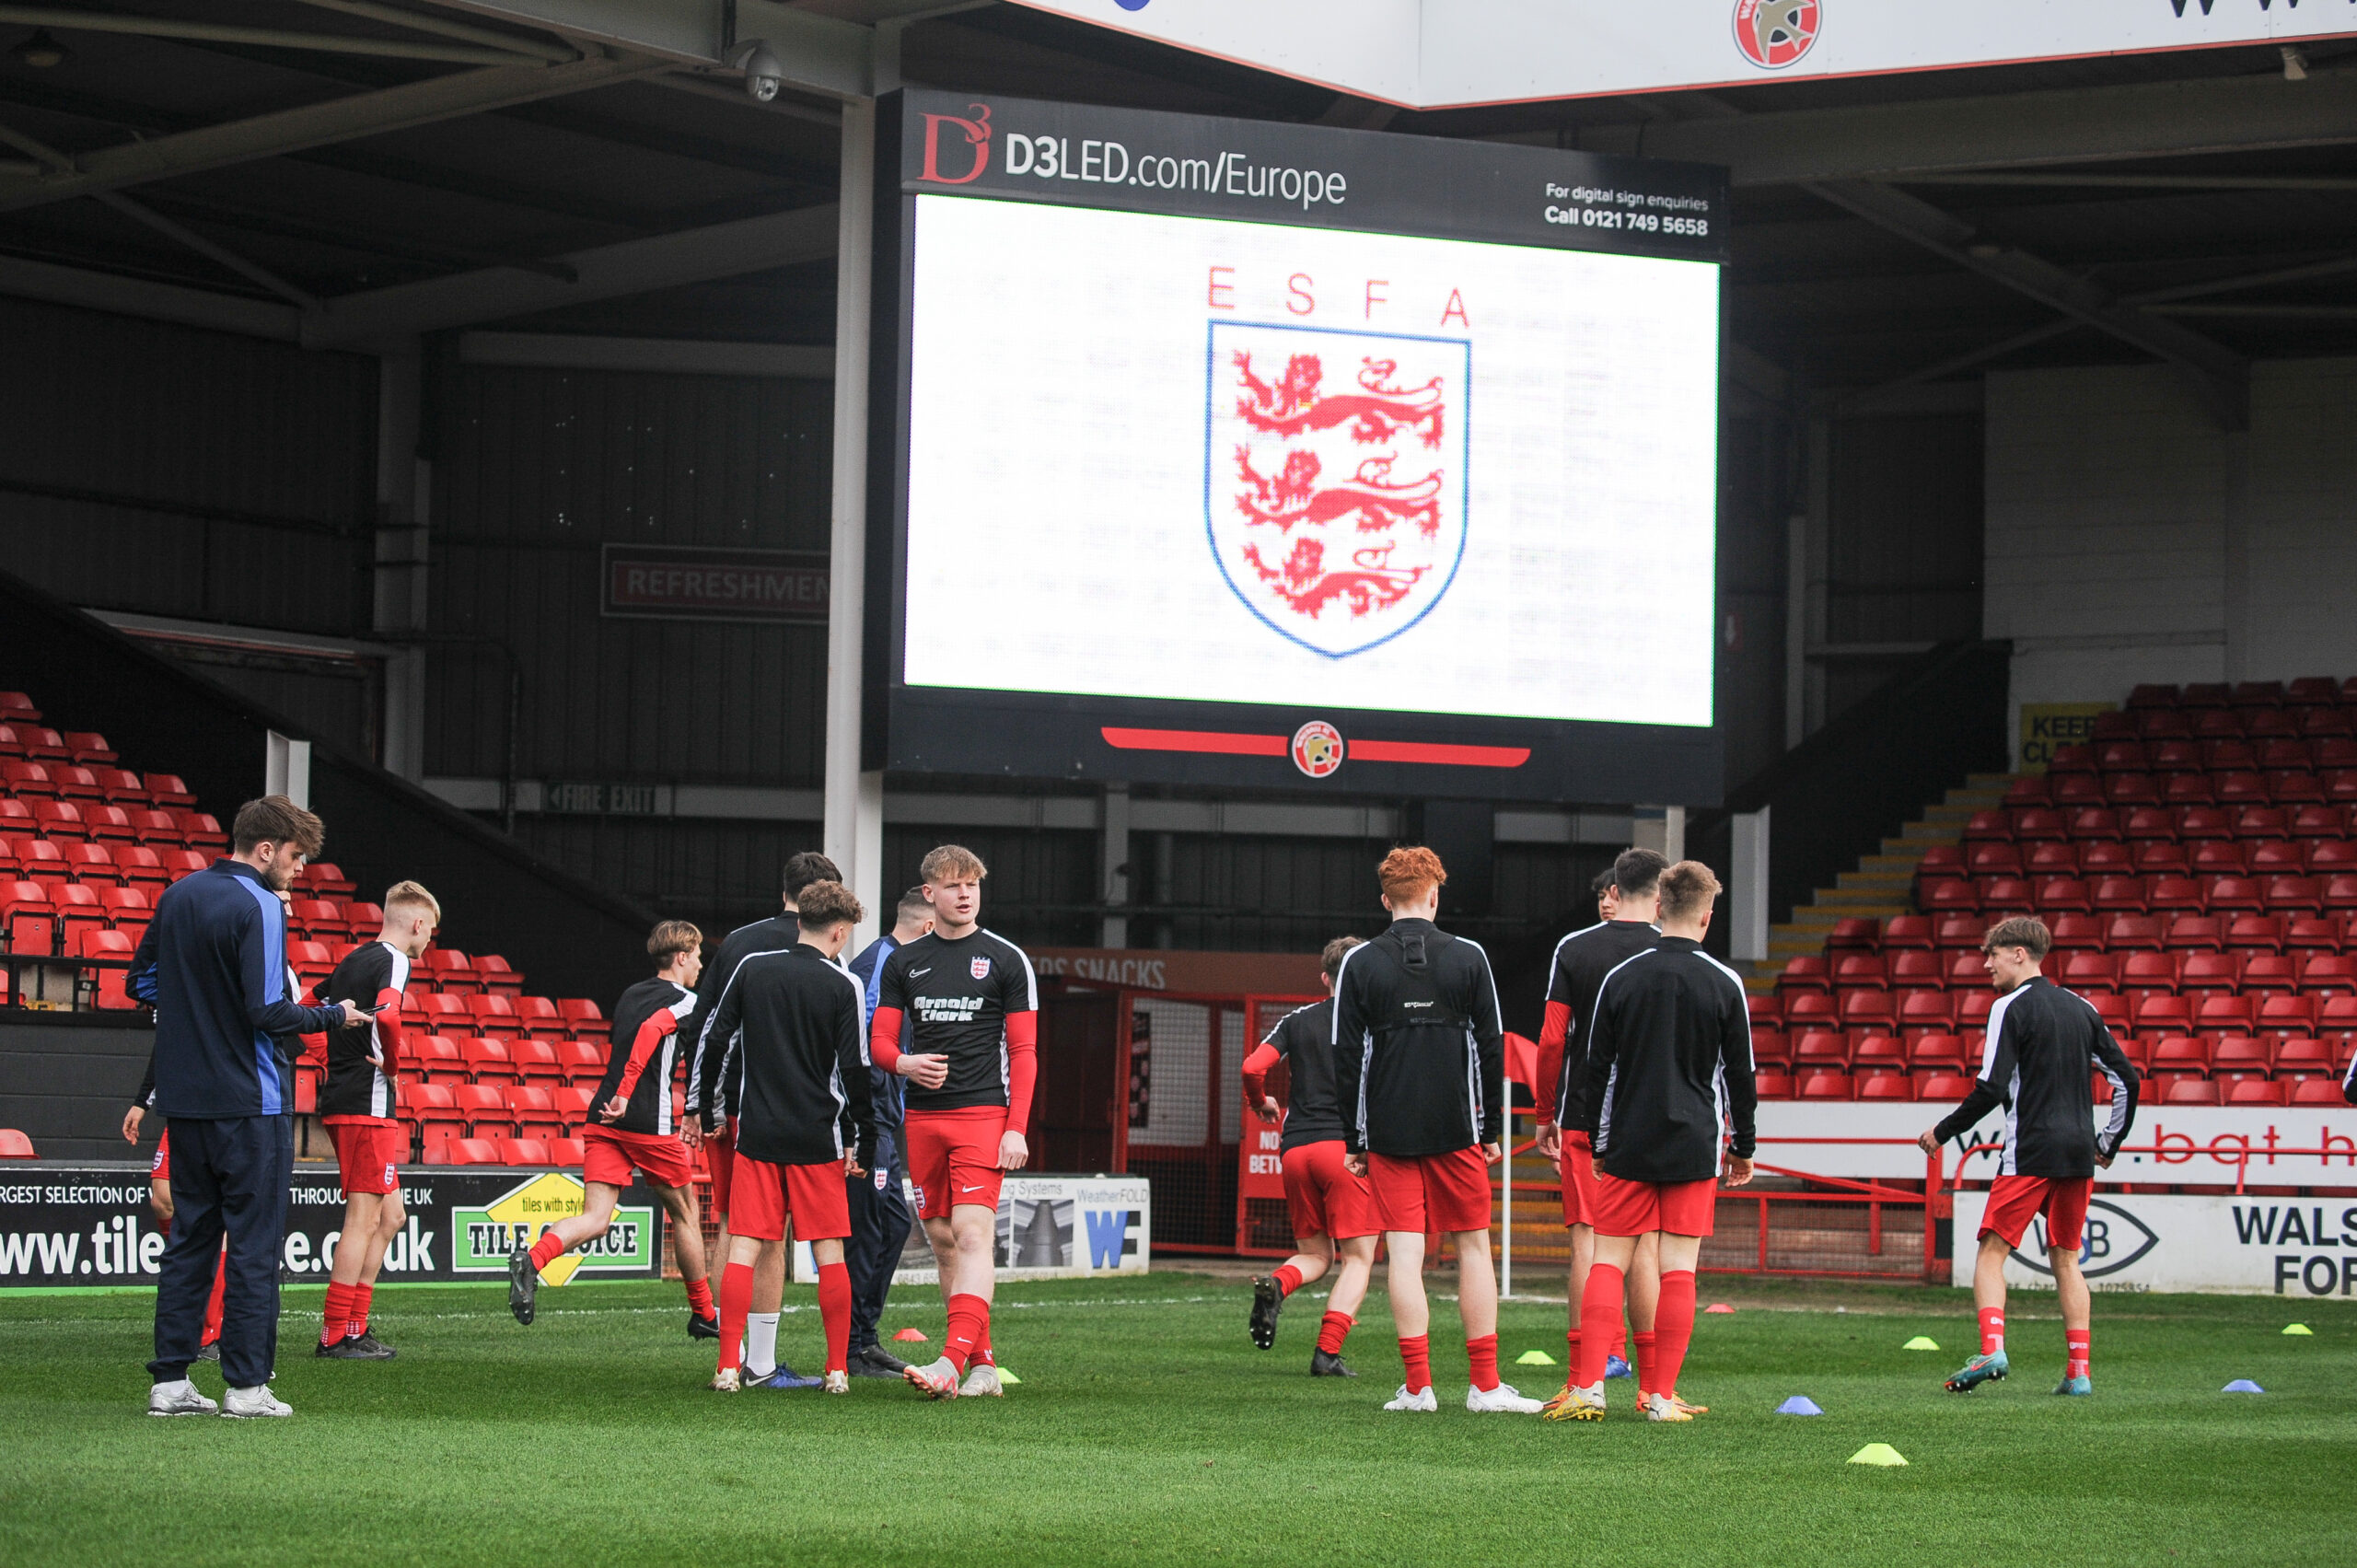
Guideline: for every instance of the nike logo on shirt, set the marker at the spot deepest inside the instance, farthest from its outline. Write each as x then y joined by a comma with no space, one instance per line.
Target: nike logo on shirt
915,974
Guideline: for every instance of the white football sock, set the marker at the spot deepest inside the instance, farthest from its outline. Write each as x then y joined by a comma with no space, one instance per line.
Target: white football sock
761,1344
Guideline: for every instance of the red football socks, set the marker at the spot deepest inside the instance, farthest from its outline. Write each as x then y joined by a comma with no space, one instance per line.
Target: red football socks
1648,1341
2076,1339
700,1297
969,1319
1599,1310
1288,1279
735,1304
1482,1354
982,1355
1416,1355
1332,1329
335,1319
834,1311
547,1249
212,1303
1572,1342
359,1312
1674,1328
1992,1330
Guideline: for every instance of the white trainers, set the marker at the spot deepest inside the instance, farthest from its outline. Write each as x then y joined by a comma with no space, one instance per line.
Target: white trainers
939,1379
981,1379
179,1398
726,1381
1664,1407
837,1383
1422,1399
1504,1399
245,1404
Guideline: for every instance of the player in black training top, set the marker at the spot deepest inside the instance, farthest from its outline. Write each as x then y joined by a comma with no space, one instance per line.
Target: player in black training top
1628,896
710,1126
1420,1073
957,1015
635,1130
357,1103
1669,1074
804,1119
1332,1212
2045,1047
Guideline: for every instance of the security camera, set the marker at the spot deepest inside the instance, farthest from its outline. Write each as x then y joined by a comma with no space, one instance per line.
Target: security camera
763,74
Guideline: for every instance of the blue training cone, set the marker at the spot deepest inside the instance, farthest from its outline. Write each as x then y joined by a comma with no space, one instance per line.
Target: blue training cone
2241,1386
1799,1404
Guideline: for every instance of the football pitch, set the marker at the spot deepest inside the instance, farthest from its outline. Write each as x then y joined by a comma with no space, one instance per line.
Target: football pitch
1146,1429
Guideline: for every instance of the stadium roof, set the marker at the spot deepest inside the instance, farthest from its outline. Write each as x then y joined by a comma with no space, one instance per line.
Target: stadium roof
342,172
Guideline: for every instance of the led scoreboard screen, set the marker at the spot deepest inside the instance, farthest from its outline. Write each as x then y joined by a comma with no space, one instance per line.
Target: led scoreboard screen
1267,455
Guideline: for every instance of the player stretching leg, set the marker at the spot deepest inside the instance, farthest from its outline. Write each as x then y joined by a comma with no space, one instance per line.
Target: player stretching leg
1419,1056
159,1203
1668,1068
357,1103
634,1106
806,1122
1628,898
1332,1210
957,1013
2045,1047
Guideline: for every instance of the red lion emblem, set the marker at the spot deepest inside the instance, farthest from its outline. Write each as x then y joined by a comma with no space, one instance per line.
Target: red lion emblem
1293,496
1306,584
1374,413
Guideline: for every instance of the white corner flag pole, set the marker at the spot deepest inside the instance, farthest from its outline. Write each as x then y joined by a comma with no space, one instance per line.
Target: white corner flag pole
1505,1239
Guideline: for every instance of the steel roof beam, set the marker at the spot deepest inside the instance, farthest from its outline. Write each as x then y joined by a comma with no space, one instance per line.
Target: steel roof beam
316,125
268,38
820,54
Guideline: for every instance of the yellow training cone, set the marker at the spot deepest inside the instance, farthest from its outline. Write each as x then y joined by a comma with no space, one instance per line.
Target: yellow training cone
1009,1378
1534,1358
1921,1341
2299,1329
1877,1454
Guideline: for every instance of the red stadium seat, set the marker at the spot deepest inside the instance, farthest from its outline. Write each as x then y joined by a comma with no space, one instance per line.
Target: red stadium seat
2079,933
2166,895
2107,857
1858,971
1948,897
2181,1054
106,945
1811,1009
2197,823
2125,934
1868,1010
538,1017
1939,1052
573,1104
26,779
1828,1086
2241,1056
2221,1015
533,1110
1767,1009
2153,696
2040,824
60,821
1774,1086
2315,1091
1917,970
495,1015
536,1059
488,1061
2257,1091
1878,1052
2257,933
2113,1009
127,911
328,878
2071,759
2329,973
27,919
497,978
2328,854
2279,858
1853,935
1907,931
2096,824
2163,1012
2007,896
2059,895
2187,789
1821,1049
2074,791
1808,971
1939,862
2119,895
2189,932
1996,827
2130,789
583,1062
2264,973
1886,1086
2339,892
1986,860
485,1109
581,1013
1973,1009
2210,972
2301,1056
2024,793
2161,857
199,830
1945,1088
567,1153
2084,972
441,1059
2190,1091
2120,757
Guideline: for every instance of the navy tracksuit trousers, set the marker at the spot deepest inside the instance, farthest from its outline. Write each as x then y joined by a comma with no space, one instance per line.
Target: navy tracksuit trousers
879,1228
228,1176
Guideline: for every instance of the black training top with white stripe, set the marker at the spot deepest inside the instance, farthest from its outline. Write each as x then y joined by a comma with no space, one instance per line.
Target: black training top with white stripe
2044,1046
1669,1065
1419,1052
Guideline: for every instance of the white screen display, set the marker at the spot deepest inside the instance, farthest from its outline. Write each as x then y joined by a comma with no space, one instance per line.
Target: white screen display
1178,458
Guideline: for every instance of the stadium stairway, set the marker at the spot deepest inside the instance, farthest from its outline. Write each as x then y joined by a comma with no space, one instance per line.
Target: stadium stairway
1881,885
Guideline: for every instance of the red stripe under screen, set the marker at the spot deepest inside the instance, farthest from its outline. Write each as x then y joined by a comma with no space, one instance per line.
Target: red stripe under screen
1230,744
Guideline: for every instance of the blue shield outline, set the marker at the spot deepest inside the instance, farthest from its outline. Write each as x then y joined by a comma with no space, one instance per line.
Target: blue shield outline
1465,455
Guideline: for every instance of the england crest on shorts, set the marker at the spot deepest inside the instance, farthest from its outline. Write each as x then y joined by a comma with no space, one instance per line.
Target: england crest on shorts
978,968
1334,483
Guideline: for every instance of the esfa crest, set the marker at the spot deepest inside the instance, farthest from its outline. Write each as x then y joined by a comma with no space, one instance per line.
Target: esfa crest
978,968
1334,478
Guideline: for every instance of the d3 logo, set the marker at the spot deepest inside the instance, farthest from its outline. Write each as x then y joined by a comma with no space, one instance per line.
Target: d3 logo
977,131
1773,34
1317,749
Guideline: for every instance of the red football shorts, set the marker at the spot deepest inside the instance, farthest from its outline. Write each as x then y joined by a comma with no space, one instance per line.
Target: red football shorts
1578,1172
813,1195
1431,1194
953,1157
161,1170
1323,1197
1639,1208
365,1154
2013,1199
609,1156
720,1158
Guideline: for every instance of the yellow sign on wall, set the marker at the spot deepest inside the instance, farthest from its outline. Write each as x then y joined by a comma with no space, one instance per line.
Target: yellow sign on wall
2046,726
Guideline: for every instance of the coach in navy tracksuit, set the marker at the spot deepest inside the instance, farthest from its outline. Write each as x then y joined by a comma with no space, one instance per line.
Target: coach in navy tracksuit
214,962
879,1203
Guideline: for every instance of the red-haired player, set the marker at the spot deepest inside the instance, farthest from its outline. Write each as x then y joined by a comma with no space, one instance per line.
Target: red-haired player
957,1013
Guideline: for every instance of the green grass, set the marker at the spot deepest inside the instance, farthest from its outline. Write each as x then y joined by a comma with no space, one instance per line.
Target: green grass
1147,1430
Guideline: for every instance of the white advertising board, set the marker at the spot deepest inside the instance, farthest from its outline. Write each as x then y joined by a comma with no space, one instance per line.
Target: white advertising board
2300,1248
1050,1227
1444,53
